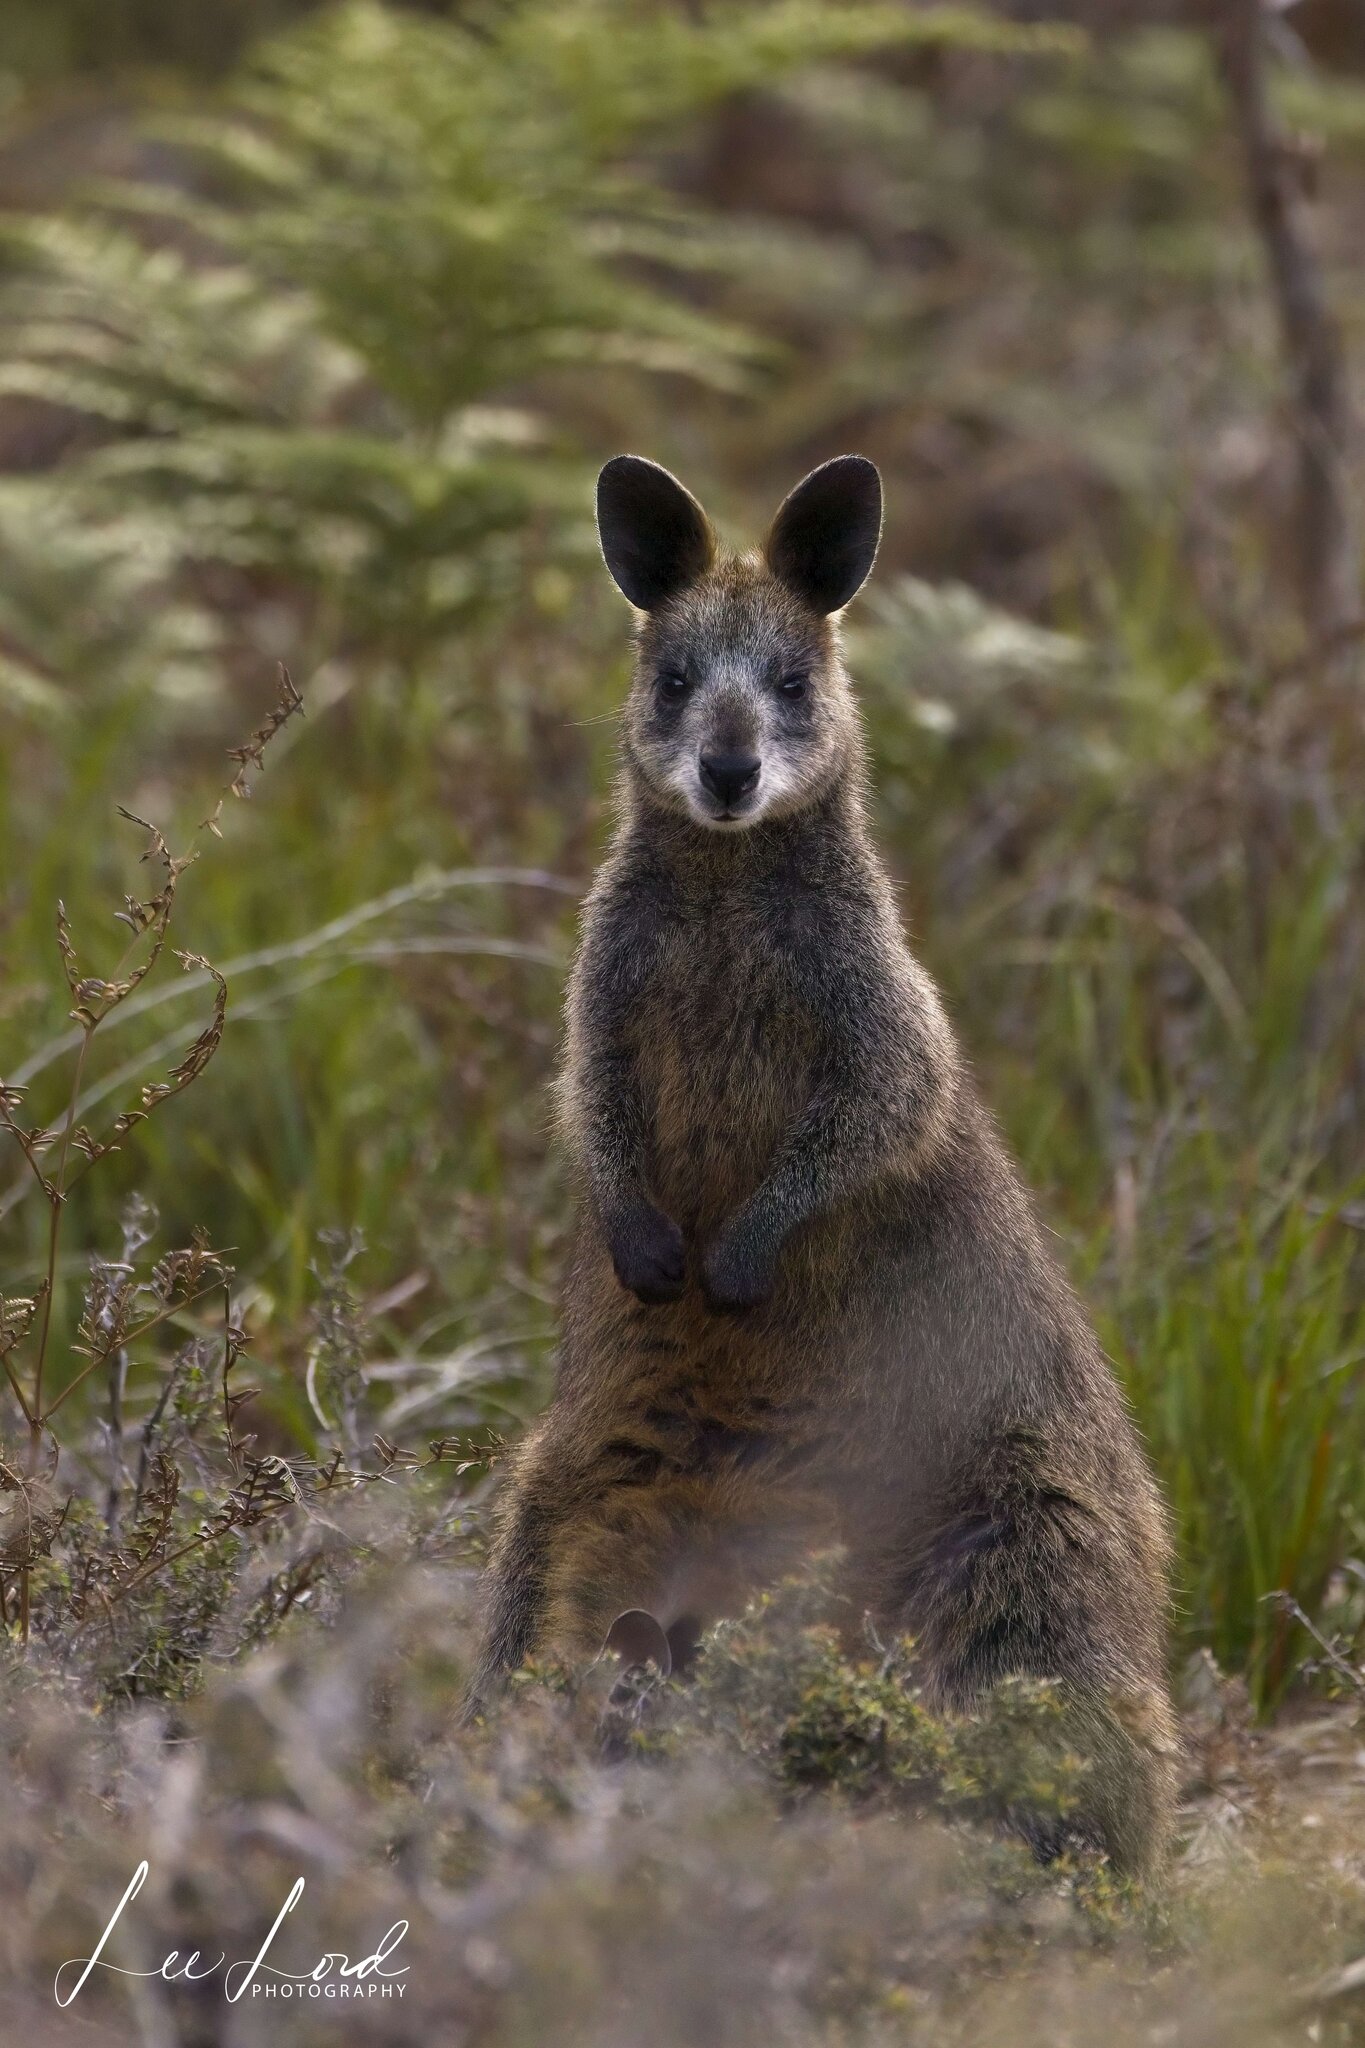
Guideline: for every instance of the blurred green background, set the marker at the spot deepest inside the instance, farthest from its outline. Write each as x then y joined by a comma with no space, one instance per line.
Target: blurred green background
315,324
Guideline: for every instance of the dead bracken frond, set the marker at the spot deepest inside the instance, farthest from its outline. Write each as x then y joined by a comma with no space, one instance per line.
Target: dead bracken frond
466,1453
30,1519
251,753
16,1320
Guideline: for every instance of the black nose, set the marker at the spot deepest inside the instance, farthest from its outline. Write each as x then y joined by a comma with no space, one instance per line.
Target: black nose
729,776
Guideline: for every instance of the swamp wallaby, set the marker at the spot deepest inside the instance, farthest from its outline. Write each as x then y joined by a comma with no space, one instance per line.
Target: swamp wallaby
810,1302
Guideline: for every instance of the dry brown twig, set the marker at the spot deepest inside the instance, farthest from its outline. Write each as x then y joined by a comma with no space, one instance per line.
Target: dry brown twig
1332,1658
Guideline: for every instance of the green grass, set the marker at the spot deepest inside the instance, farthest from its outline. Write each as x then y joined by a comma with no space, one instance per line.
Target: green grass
1245,1360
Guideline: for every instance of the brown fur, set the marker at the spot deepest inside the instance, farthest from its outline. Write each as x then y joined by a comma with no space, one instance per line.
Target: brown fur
810,1301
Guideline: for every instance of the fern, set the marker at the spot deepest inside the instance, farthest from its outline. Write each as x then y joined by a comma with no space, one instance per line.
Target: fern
287,358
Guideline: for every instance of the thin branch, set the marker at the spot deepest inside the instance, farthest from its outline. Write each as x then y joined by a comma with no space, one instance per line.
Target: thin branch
1331,1654
57,1200
151,1426
1328,559
19,1393
171,1308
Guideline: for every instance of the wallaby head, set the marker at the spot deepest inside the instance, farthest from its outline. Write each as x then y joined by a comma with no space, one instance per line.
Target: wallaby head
740,708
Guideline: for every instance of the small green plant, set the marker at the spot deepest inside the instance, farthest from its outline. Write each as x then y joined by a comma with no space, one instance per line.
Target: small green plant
784,1686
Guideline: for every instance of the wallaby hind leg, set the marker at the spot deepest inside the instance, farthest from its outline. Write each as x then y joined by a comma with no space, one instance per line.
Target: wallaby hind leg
515,1592
1028,1577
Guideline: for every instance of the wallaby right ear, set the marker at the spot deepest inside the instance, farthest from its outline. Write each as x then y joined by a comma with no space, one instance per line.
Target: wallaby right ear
655,537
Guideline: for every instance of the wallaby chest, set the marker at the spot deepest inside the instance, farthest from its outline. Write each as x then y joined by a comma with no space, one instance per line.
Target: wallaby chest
724,1047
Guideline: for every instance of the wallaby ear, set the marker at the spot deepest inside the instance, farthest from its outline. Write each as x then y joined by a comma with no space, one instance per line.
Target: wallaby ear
655,537
824,539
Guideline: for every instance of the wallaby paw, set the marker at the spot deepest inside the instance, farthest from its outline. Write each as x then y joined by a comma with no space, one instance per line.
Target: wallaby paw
647,1254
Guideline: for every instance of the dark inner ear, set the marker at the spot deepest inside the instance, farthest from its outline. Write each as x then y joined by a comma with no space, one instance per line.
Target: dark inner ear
824,538
654,534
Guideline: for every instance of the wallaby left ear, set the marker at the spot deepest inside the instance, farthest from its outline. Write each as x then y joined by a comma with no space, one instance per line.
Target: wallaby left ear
824,539
656,539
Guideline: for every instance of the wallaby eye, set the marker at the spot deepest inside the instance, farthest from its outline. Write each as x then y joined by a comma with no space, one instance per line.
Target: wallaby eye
794,686
673,684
